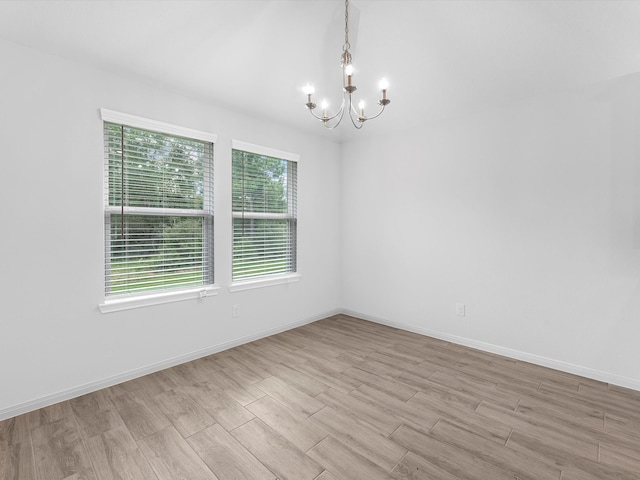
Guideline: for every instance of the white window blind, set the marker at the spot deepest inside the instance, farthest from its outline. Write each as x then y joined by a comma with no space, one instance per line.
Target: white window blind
158,210
264,212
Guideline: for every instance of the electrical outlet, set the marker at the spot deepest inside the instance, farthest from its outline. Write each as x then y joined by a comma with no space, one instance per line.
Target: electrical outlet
460,309
235,311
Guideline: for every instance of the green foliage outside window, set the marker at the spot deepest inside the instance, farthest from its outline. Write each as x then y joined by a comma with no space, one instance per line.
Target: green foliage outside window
264,206
166,240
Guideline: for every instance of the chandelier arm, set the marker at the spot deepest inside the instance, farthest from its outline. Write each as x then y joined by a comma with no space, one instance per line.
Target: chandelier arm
358,125
331,117
329,127
351,111
326,124
325,120
377,114
340,111
316,116
353,107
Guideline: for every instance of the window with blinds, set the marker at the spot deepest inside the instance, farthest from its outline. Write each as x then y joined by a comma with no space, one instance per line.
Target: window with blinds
158,210
264,211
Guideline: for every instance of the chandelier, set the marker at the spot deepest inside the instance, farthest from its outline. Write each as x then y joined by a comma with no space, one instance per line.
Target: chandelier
332,121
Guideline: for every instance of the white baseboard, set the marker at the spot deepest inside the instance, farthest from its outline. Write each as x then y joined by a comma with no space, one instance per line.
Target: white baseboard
172,362
599,375
68,394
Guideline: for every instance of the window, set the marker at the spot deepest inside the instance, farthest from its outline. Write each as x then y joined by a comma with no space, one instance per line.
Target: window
158,206
264,212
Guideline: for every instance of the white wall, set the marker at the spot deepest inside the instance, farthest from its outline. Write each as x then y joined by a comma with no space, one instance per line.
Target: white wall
529,214
53,340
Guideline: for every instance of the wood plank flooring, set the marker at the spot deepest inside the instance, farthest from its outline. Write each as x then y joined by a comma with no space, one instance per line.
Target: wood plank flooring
339,399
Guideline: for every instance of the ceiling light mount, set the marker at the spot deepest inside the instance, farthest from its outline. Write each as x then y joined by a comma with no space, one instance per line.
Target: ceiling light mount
348,88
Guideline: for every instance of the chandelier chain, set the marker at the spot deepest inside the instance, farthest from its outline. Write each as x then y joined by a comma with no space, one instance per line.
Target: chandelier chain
346,45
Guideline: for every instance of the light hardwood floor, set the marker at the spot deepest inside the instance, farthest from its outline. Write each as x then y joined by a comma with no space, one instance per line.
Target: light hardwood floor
338,399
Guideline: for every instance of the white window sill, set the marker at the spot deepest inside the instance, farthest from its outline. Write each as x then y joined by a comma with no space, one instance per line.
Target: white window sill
128,302
264,282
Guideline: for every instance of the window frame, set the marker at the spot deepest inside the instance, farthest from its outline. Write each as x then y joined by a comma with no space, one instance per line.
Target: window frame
154,297
273,278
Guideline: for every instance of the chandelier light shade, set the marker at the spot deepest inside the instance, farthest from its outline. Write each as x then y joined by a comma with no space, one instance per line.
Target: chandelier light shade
357,116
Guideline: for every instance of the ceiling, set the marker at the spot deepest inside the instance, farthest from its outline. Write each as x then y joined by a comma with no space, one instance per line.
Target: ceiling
441,58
